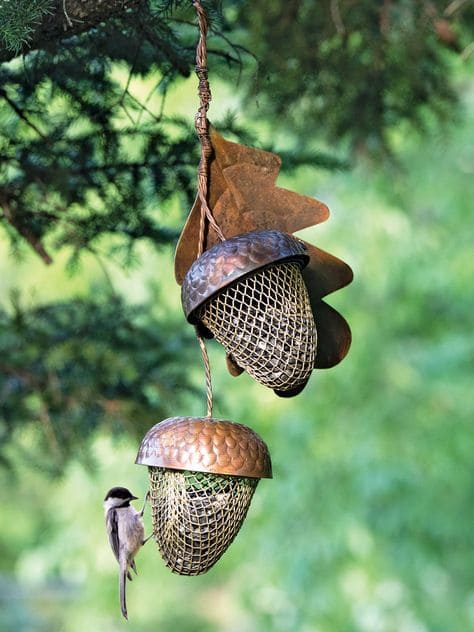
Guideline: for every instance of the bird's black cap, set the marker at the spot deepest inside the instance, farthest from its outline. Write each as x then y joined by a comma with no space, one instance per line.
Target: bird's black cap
120,492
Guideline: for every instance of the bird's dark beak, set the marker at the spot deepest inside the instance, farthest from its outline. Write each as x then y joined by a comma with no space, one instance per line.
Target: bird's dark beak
133,497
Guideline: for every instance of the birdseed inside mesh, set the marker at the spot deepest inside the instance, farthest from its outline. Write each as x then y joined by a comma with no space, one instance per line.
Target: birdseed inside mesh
266,323
196,515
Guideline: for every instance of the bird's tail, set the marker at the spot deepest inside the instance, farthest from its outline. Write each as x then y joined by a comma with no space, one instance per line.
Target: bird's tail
122,589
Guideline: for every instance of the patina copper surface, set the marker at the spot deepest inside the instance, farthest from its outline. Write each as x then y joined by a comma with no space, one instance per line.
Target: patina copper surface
203,444
234,258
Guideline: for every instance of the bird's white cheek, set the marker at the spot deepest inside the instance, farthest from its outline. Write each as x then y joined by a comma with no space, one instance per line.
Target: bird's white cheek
110,503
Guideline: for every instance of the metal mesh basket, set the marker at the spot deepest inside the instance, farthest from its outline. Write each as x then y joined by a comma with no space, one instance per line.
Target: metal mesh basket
249,293
203,473
264,321
196,515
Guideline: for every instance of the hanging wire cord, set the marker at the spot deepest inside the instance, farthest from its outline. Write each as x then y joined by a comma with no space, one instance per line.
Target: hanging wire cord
202,129
207,369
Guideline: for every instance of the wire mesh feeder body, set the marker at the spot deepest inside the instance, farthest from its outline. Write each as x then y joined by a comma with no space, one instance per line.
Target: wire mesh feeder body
205,515
203,473
249,293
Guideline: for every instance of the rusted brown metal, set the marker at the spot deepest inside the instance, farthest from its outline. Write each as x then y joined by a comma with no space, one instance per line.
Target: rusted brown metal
334,335
323,275
235,258
203,444
243,196
234,369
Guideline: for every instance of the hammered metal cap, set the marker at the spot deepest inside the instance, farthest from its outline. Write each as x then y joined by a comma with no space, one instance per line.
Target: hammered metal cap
234,258
203,444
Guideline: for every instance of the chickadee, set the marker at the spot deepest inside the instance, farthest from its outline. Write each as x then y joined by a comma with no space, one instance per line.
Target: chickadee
126,534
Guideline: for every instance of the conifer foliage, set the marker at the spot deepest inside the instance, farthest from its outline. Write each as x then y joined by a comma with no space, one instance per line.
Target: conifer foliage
86,167
19,19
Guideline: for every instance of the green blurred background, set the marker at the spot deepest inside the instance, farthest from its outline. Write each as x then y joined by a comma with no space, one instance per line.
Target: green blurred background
368,523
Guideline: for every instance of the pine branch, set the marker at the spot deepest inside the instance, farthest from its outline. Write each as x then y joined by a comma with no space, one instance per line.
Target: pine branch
71,17
24,230
19,112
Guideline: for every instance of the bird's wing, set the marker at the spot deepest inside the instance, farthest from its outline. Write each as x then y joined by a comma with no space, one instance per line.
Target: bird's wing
134,568
111,522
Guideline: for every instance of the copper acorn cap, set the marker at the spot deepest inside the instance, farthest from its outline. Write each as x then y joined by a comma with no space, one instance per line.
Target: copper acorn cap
234,258
203,444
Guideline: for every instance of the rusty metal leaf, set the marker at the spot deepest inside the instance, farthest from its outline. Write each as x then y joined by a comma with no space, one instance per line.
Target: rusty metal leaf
244,197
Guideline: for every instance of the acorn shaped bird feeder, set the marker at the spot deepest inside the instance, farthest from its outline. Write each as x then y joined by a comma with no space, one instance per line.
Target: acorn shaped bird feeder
203,473
249,293
246,280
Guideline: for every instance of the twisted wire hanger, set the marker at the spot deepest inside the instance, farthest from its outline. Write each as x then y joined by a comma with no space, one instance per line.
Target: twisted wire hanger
202,128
